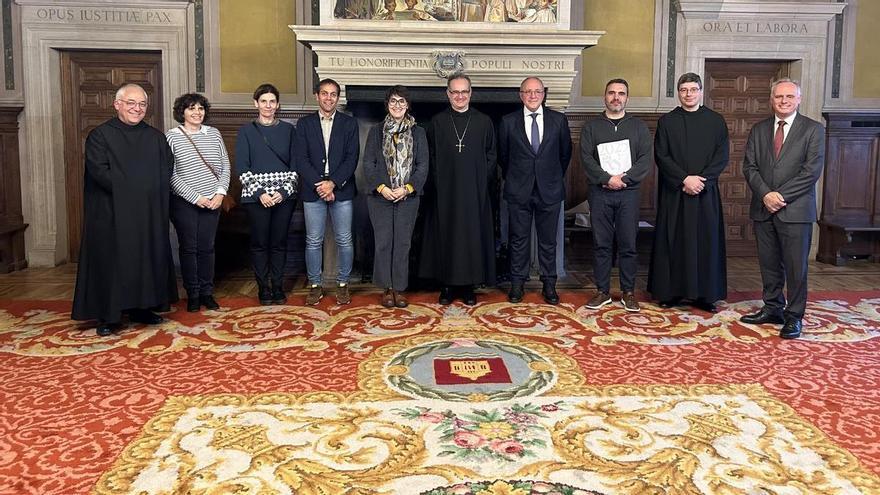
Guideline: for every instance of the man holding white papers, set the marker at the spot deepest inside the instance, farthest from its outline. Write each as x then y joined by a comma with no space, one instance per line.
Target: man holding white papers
616,154
534,149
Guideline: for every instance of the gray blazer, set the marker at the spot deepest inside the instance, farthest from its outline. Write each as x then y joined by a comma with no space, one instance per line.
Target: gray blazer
793,175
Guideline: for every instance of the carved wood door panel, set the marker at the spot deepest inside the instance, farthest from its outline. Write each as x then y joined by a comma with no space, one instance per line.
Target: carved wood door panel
740,91
89,80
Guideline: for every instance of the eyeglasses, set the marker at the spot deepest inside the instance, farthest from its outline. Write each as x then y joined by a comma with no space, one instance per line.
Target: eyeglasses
132,104
463,92
397,102
688,91
532,92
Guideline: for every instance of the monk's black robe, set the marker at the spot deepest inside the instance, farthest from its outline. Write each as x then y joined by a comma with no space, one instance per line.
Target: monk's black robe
689,259
458,244
125,256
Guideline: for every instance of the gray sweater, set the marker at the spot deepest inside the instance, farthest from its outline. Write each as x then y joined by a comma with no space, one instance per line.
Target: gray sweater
602,130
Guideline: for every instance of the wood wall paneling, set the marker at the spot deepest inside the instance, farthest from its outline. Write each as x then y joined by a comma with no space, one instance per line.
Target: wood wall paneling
850,222
12,226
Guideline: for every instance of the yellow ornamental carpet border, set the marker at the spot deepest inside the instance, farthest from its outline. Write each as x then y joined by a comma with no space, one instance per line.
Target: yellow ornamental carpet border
712,439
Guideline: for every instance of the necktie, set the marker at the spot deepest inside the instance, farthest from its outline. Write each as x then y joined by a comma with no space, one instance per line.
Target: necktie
778,138
536,135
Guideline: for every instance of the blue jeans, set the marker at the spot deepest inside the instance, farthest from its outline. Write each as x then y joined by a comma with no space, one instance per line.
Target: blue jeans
316,220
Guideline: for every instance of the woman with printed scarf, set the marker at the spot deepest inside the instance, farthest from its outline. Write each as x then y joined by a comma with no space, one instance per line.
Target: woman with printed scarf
395,167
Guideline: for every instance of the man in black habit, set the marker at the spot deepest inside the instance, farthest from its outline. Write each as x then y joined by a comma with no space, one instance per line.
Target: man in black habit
689,259
458,247
125,260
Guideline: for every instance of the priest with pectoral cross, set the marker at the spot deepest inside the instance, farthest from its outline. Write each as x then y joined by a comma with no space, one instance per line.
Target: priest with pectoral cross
458,248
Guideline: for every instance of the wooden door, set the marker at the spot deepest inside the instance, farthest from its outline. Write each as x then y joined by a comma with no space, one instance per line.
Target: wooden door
89,80
740,91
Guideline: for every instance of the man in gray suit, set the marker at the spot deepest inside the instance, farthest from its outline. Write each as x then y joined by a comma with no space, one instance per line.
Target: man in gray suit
783,162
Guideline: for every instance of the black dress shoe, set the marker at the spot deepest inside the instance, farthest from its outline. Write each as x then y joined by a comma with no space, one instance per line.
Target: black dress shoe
669,303
278,296
468,297
791,329
265,296
516,293
705,306
144,316
193,304
105,329
549,293
445,295
209,302
765,315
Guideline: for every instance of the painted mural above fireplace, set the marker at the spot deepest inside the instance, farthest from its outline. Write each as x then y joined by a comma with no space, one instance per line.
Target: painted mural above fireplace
383,51
526,11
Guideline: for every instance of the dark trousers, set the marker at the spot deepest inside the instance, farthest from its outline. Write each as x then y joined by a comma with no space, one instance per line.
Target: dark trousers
392,230
196,229
783,252
614,215
546,225
269,228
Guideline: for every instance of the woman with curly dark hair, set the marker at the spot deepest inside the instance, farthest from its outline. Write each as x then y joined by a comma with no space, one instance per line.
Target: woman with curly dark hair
198,183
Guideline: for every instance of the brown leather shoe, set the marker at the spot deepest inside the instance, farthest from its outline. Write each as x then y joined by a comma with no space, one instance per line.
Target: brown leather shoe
629,303
316,292
388,298
599,300
399,300
343,296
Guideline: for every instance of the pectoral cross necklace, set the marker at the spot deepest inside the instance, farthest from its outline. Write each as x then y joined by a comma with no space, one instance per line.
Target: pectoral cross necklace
460,138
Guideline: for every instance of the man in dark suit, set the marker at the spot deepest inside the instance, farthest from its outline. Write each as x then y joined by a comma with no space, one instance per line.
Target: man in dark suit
783,162
326,149
534,151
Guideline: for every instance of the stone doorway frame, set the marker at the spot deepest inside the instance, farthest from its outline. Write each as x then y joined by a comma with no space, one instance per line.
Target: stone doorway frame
806,53
42,177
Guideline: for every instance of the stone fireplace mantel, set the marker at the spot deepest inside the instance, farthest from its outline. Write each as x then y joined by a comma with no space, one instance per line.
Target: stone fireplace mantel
420,54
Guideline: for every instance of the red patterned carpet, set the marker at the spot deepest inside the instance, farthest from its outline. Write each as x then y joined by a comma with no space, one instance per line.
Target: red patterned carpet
71,401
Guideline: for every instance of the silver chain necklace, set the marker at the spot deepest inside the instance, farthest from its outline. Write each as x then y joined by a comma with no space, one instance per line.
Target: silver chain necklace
463,134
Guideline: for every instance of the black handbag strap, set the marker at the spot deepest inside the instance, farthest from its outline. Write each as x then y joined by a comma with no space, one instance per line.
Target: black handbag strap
269,145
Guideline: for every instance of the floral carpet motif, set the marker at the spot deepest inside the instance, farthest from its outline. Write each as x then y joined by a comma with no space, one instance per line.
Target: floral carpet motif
479,382
621,440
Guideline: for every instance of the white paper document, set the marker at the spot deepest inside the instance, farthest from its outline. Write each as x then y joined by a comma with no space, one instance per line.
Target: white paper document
614,157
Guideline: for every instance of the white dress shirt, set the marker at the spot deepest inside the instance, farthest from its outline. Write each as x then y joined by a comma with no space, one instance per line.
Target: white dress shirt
326,128
528,122
787,127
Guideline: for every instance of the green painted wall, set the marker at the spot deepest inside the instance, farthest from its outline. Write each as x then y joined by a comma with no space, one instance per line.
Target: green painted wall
626,50
256,46
866,70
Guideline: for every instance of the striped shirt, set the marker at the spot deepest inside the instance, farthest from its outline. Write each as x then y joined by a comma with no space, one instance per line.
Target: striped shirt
191,178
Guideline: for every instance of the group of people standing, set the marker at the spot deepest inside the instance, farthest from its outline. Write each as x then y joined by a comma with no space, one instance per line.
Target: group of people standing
447,170
691,149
